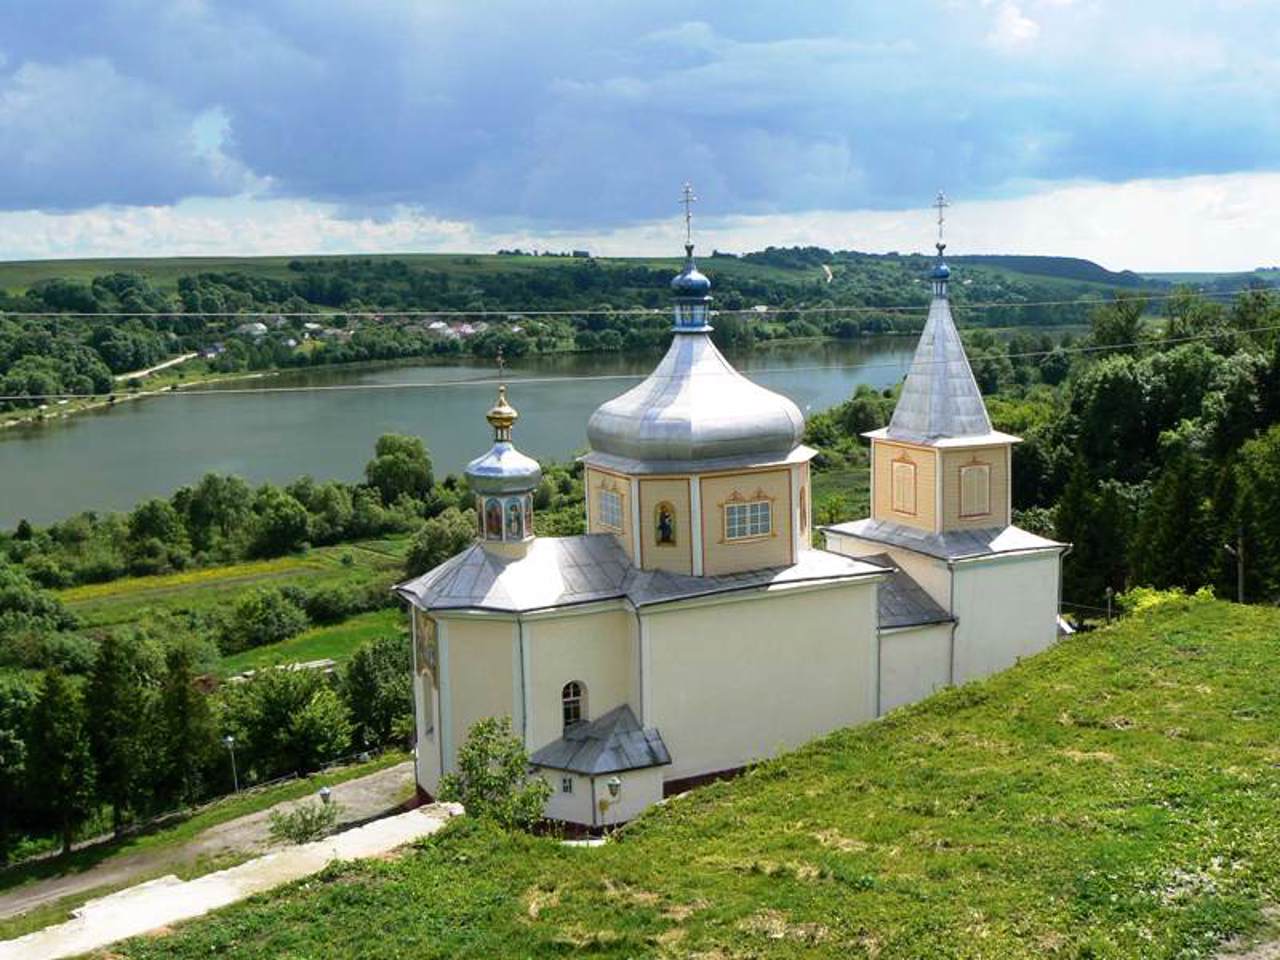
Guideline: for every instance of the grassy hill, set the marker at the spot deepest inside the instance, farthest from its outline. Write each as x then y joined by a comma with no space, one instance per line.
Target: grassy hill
1113,797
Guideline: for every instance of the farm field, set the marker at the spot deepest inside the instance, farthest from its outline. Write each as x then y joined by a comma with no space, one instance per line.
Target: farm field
1112,797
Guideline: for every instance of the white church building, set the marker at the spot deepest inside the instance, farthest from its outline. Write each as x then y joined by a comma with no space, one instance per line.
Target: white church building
695,628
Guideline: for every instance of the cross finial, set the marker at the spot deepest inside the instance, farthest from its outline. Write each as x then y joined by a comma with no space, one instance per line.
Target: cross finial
941,205
502,363
688,199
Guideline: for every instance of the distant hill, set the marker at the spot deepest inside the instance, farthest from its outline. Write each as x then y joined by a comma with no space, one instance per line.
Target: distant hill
1066,268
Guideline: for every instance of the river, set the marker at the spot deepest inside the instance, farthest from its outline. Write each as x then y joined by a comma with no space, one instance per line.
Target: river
114,458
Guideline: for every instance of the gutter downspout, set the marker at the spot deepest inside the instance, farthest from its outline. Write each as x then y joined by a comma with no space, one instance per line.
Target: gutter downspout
955,622
644,720
1061,557
524,683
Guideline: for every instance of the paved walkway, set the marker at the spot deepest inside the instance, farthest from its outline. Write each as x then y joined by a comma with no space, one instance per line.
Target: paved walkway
360,799
169,900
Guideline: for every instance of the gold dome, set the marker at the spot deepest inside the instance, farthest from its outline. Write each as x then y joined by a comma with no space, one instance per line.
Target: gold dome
502,415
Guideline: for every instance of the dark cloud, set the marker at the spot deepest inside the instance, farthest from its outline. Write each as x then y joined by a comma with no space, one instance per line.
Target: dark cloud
589,114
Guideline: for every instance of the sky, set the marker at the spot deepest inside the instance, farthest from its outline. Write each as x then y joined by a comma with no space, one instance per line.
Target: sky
1141,134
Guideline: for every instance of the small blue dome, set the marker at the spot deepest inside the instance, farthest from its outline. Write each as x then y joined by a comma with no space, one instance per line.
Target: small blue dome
690,282
941,272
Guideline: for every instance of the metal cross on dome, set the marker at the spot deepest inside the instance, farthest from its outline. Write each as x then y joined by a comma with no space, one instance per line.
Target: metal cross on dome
502,363
688,199
941,204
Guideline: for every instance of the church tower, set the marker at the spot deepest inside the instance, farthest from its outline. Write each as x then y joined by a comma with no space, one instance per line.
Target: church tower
939,466
504,480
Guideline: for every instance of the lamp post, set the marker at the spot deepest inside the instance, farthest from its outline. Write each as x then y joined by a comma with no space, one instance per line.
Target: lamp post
325,794
230,743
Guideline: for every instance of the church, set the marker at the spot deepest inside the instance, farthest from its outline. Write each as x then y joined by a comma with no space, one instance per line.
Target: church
695,627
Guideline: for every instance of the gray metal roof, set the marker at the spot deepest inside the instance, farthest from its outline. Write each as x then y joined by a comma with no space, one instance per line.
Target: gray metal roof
566,571
695,406
940,397
952,545
902,601
612,743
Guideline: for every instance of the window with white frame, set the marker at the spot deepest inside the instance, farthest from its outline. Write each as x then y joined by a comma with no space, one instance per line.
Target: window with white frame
975,490
573,703
566,784
904,487
609,509
743,521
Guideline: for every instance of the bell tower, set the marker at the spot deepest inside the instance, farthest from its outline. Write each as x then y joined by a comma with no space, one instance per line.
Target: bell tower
939,466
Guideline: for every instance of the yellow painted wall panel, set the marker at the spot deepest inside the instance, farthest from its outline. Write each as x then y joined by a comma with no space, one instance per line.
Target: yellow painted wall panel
721,555
925,461
676,555
996,457
597,481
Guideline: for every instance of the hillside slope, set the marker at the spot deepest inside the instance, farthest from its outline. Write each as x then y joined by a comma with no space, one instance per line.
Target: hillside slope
1113,797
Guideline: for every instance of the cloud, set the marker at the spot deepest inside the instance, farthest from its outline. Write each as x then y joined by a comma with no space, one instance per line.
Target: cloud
1013,29
514,116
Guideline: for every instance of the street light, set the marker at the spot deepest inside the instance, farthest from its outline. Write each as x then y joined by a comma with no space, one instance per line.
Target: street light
325,793
230,743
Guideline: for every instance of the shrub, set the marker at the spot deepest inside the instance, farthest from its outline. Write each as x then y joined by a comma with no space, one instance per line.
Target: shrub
439,539
493,780
261,617
305,822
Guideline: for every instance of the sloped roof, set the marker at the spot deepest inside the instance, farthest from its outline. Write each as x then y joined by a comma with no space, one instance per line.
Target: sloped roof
940,397
611,743
902,601
952,545
565,571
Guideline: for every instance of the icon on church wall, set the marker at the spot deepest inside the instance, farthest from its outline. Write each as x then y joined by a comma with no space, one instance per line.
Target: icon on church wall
514,516
665,525
493,519
528,515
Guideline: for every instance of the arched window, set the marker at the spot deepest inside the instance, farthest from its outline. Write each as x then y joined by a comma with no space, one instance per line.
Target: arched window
573,702
515,519
664,524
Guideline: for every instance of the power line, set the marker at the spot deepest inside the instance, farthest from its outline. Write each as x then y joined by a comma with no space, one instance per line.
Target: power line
176,389
515,313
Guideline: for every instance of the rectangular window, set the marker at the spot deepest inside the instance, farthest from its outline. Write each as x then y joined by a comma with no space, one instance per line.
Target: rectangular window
566,784
610,509
904,487
744,521
975,490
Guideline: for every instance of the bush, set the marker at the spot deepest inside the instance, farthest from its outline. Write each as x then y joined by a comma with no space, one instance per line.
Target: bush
493,779
439,539
377,685
261,617
305,822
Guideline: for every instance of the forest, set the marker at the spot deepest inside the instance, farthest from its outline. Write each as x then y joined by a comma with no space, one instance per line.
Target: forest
74,336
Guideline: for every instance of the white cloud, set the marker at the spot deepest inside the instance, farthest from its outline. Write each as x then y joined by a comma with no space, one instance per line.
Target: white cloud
1225,222
1013,29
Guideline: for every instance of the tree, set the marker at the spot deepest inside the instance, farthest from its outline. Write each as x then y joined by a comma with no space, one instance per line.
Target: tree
400,467
280,525
378,688
493,781
1118,323
188,738
439,539
1171,546
287,720
217,510
60,771
16,701
121,695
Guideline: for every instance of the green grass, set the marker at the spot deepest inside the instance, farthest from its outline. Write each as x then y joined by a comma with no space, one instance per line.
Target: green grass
129,599
1116,796
335,642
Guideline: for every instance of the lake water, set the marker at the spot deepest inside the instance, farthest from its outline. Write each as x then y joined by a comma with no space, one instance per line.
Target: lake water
112,459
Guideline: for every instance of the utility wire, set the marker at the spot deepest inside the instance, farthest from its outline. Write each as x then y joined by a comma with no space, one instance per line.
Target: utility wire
177,390
427,313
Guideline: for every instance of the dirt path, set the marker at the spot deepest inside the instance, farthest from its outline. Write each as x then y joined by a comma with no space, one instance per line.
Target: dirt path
142,374
360,799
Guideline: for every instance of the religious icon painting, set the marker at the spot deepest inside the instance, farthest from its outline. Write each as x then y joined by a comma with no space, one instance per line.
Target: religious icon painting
665,525
514,516
493,518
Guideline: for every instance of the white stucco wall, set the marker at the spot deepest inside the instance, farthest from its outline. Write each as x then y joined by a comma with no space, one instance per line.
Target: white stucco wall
572,807
929,572
914,662
596,649
743,678
1005,608
640,789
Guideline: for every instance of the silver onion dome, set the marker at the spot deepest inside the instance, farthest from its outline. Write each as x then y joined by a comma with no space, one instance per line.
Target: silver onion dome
504,469
695,406
690,282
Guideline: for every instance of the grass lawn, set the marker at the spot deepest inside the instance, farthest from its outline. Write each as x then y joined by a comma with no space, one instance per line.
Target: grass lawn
1116,796
336,642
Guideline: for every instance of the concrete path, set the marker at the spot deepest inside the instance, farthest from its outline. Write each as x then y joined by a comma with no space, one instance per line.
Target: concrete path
169,900
360,799
143,374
